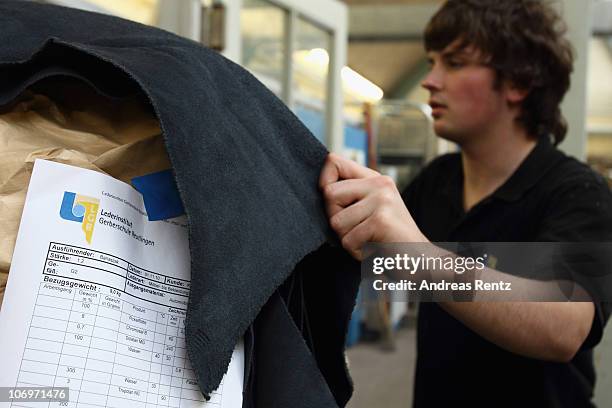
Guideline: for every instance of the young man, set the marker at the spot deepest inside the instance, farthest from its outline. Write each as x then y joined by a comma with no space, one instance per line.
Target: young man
498,72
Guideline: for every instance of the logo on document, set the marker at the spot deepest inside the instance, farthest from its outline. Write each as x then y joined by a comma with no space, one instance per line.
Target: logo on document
80,208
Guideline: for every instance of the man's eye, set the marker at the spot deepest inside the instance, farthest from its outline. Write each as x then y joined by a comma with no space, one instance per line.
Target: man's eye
455,64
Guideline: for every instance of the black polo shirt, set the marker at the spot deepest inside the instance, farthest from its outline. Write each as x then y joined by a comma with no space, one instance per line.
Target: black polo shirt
550,197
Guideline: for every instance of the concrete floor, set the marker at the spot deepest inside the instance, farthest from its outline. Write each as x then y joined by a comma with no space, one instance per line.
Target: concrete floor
382,378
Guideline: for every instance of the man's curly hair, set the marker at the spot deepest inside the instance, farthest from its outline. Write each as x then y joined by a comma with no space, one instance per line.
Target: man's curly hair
524,42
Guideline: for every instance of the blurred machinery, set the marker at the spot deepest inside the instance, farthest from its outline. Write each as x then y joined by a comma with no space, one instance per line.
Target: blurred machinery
404,139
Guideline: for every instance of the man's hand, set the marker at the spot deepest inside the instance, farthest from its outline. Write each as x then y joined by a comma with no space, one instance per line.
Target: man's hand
364,206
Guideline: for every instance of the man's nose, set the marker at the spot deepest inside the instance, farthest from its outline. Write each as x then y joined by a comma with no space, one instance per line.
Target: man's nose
433,80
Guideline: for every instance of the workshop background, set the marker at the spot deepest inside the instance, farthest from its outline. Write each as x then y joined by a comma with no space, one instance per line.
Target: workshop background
351,72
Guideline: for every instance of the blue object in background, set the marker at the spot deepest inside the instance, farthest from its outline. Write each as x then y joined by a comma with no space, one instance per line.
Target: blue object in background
160,195
354,137
313,120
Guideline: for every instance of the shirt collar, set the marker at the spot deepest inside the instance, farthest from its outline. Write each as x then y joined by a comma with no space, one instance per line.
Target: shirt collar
541,159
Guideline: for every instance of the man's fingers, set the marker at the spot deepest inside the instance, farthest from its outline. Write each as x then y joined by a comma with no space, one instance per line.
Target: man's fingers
346,219
346,192
343,193
338,168
356,238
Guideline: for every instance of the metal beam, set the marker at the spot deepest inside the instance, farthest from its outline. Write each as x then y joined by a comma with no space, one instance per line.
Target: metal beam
374,38
578,17
182,17
392,22
602,18
409,81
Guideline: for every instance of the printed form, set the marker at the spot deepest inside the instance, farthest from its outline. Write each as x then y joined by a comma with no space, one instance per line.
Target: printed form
96,299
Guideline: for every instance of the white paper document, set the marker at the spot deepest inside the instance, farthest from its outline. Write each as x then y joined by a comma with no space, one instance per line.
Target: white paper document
96,299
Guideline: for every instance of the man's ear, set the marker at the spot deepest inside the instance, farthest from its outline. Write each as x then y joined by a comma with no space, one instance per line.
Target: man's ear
514,94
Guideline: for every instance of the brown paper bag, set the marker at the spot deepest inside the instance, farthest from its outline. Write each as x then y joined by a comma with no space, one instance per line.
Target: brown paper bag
66,121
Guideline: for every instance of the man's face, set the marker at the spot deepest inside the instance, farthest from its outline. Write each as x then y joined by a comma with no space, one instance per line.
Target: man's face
463,97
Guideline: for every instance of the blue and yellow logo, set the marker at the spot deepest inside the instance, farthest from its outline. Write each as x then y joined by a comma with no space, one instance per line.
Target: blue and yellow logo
80,208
